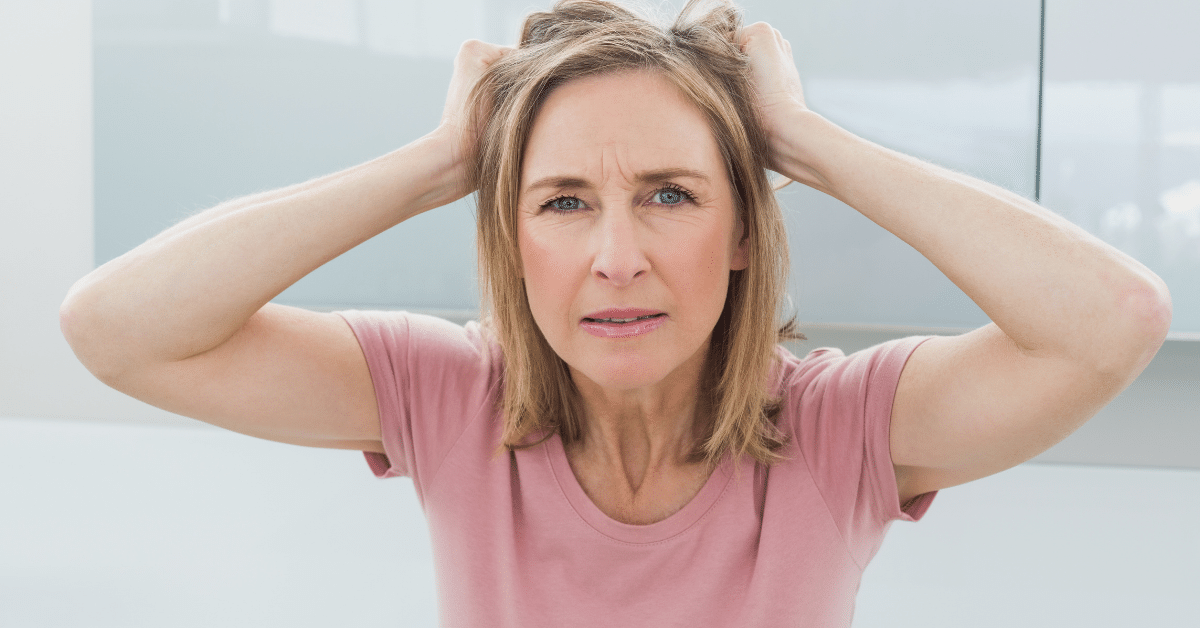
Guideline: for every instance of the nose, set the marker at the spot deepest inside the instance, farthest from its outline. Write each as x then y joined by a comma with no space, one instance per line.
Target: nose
619,255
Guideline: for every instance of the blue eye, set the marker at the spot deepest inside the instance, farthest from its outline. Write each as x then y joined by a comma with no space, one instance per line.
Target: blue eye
563,204
673,196
670,197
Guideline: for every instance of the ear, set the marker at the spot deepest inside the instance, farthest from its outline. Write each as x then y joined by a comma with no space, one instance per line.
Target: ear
741,255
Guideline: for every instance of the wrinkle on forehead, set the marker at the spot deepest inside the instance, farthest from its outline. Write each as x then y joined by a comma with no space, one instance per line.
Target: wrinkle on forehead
613,160
628,123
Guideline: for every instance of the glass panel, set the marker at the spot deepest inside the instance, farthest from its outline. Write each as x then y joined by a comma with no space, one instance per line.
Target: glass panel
199,101
1121,134
954,83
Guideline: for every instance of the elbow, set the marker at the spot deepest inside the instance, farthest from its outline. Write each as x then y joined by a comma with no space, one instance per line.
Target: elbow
75,327
71,320
1142,322
1153,307
84,333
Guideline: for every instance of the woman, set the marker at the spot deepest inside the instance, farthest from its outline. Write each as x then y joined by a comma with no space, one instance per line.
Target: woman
632,258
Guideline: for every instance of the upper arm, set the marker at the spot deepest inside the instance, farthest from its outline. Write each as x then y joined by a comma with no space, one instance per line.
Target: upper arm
288,375
969,406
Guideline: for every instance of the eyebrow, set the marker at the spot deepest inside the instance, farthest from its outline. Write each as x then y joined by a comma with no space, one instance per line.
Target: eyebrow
647,176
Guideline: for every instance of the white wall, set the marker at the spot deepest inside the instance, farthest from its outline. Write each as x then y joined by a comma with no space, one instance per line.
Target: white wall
46,211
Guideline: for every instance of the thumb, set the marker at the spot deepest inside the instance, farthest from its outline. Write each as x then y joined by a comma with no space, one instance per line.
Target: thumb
473,60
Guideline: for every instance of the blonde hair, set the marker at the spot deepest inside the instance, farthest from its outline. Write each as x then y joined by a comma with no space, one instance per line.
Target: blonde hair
700,55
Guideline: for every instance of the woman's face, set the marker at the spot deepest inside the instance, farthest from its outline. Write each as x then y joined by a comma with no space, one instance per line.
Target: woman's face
626,211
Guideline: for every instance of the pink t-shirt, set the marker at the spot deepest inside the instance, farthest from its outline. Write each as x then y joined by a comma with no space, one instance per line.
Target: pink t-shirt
517,542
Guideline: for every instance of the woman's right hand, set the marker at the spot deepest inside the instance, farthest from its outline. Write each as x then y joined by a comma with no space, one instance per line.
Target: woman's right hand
473,59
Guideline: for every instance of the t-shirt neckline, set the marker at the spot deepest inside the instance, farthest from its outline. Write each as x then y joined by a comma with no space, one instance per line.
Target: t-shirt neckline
658,531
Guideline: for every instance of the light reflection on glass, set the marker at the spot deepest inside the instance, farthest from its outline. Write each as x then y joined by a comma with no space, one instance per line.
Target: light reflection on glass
1121,134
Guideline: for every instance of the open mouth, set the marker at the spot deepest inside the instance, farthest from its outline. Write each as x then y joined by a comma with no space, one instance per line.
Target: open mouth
622,321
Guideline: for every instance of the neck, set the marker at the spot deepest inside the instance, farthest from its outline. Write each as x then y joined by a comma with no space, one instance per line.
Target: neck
646,429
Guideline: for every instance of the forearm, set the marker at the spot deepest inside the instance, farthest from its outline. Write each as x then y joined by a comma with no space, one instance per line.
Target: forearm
235,204
1049,285
192,287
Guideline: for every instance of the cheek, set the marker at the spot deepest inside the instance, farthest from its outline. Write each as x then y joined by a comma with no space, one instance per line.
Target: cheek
703,264
547,268
714,278
696,272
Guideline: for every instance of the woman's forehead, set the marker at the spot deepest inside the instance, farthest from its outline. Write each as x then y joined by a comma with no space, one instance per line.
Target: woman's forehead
628,125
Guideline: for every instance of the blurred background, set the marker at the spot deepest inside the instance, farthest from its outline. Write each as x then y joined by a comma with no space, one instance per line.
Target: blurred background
118,118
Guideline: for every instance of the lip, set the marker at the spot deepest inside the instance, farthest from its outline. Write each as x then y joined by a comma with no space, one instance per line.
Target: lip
623,312
623,330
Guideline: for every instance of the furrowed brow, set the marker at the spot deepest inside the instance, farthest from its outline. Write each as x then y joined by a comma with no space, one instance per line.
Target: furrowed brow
648,176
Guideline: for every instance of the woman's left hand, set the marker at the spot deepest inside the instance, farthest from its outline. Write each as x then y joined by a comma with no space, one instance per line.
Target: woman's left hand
777,87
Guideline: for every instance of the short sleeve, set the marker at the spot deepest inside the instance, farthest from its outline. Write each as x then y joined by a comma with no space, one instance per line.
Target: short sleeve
431,379
841,410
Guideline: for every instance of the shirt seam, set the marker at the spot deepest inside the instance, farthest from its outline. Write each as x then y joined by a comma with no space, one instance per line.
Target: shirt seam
829,511
487,407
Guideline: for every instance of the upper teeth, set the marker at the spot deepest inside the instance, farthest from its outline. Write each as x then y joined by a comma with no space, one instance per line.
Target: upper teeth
623,320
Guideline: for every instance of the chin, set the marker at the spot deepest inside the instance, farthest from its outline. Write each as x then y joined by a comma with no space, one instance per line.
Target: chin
624,373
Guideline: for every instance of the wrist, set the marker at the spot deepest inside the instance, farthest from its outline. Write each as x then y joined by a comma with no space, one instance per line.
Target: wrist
803,141
444,166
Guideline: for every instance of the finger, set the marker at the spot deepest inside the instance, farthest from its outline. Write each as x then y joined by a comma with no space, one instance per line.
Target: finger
757,28
474,50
